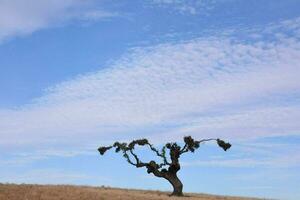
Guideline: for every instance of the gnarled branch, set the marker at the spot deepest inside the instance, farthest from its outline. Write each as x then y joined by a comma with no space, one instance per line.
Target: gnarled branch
191,144
128,151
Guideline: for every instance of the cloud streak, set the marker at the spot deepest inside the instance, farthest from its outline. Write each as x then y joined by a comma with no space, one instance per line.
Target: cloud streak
282,161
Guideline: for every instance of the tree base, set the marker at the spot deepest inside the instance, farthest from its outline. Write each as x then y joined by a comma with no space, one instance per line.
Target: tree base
176,195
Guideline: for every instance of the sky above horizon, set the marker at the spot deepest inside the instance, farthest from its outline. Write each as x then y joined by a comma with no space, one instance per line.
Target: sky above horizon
77,74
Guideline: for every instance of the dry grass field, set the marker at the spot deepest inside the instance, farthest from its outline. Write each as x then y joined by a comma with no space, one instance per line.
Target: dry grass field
67,192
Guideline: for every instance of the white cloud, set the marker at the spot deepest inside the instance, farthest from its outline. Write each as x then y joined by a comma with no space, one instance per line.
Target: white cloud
186,6
242,124
256,155
213,86
18,17
282,161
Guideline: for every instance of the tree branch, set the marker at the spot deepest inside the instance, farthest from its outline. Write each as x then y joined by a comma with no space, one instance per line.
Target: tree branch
162,155
128,159
129,148
195,145
192,145
184,149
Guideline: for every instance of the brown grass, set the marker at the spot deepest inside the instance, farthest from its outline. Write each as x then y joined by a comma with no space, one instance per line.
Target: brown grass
67,192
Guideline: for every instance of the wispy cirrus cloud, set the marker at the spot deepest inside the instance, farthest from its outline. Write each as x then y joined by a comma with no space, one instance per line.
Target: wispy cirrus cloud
18,18
282,161
208,86
186,7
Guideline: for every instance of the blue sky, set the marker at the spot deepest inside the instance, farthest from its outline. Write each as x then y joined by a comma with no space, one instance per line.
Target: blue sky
78,74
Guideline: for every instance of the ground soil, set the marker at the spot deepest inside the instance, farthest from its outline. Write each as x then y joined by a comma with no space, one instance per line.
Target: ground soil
68,192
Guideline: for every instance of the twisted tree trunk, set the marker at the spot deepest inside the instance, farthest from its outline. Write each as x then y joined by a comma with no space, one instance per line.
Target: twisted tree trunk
176,183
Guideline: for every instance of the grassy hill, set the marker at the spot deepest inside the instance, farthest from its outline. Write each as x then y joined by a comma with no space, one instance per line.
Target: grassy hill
67,192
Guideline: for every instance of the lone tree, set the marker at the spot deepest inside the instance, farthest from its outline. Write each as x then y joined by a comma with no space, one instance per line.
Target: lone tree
168,168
